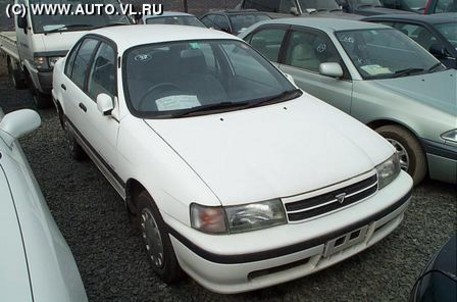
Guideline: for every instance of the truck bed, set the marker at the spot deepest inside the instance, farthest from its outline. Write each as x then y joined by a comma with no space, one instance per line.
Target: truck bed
8,44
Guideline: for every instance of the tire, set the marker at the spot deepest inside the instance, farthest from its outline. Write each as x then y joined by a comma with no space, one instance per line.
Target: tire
76,151
15,75
156,240
40,100
412,156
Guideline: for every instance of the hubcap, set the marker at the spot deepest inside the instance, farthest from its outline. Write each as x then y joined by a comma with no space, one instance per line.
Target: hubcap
402,153
152,239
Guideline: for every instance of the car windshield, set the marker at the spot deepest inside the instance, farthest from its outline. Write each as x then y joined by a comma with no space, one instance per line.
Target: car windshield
179,20
242,21
449,31
416,4
311,5
72,20
174,79
386,53
368,3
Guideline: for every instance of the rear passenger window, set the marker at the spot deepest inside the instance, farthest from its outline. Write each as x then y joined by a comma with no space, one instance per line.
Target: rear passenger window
82,61
268,42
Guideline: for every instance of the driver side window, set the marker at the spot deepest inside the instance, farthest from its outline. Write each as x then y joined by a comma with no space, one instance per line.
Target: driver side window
102,75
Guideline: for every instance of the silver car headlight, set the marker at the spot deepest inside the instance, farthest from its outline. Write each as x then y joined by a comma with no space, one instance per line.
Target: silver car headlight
450,136
52,61
41,63
388,170
237,219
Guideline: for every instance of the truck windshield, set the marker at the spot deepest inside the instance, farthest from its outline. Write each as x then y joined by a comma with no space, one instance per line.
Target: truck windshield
64,18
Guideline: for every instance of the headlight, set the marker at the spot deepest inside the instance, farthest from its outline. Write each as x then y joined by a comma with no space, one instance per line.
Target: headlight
450,135
388,171
41,63
237,219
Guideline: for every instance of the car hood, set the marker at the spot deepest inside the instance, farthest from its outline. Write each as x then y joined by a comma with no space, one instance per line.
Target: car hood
273,151
14,277
438,89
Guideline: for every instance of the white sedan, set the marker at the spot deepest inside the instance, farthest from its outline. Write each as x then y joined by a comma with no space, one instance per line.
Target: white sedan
36,263
234,175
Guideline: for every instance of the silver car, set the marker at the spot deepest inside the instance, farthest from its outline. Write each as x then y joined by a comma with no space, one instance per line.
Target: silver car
36,263
379,76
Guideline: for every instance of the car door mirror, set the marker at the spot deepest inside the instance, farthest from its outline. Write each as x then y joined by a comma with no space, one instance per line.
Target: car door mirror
438,50
16,124
331,69
105,103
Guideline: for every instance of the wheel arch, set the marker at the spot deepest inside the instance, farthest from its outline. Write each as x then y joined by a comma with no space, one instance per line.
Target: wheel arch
132,188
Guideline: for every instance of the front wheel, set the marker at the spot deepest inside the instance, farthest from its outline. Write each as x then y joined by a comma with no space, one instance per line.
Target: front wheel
156,240
412,156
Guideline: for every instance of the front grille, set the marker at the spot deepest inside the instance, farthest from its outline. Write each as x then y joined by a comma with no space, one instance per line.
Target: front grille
328,202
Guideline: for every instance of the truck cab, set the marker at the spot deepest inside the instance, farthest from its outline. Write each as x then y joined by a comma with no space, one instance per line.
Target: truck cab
42,39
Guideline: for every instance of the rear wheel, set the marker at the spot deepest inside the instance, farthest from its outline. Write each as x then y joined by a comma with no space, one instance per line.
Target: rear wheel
412,156
15,74
156,240
76,151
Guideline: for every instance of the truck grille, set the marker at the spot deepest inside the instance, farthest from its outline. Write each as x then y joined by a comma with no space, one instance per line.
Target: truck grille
321,204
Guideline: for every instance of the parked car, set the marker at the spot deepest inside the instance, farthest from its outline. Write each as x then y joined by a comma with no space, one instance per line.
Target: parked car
417,6
233,21
440,6
173,18
335,8
379,76
36,262
436,33
211,146
423,6
366,7
438,280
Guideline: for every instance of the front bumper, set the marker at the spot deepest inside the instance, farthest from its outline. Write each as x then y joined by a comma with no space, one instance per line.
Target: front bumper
442,161
243,262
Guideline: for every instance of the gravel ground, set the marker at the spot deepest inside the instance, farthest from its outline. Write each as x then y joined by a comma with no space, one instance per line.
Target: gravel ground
114,267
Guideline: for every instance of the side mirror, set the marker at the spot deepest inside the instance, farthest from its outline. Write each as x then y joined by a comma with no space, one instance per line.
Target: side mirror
294,11
438,50
22,22
331,69
105,104
16,124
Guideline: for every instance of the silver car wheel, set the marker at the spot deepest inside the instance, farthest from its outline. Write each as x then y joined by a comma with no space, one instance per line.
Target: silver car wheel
402,153
152,238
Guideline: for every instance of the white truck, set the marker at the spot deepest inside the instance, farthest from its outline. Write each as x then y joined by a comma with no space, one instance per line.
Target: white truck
39,40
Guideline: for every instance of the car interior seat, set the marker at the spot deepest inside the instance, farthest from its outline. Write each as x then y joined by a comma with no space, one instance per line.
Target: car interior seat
303,56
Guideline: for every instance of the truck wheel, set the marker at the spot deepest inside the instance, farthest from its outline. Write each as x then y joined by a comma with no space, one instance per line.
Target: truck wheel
156,240
76,151
40,100
412,156
15,75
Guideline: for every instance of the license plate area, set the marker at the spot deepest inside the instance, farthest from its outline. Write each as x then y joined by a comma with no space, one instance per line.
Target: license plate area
343,242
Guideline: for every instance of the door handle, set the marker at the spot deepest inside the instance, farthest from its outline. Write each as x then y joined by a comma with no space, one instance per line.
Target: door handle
63,86
83,107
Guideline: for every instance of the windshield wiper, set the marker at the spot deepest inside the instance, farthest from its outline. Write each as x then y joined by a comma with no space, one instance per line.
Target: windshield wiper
435,66
407,71
65,27
284,96
211,107
110,24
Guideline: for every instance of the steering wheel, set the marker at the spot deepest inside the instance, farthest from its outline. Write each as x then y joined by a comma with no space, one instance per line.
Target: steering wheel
158,89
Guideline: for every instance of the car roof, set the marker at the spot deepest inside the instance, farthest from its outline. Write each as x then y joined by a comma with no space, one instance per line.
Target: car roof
127,36
326,24
238,12
431,19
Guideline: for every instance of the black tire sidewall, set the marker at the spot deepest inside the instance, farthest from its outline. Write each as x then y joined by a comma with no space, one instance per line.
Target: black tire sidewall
170,272
417,163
